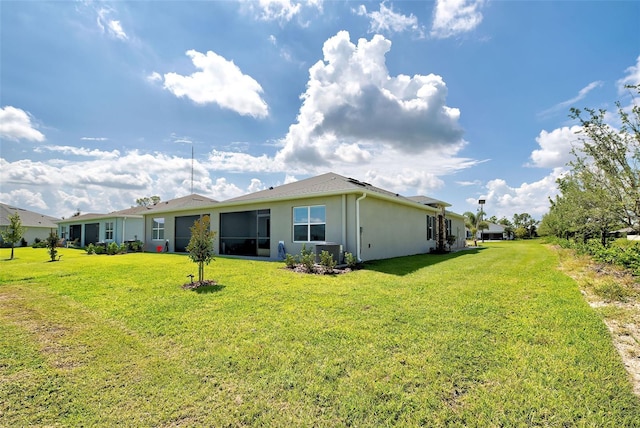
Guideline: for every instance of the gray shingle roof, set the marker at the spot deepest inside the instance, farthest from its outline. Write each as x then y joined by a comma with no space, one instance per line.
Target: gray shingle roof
28,218
184,203
329,183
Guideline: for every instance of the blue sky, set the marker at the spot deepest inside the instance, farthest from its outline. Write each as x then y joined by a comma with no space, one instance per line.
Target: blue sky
103,102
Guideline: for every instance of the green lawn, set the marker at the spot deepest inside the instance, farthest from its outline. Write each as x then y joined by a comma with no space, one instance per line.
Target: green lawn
489,337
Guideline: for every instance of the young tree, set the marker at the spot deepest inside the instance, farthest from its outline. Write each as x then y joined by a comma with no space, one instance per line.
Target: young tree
201,247
52,244
608,159
14,232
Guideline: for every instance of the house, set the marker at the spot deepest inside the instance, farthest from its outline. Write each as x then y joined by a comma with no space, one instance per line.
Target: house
118,226
167,224
495,232
38,226
326,211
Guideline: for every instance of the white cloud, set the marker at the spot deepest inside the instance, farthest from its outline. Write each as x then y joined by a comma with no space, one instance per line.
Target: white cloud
15,125
352,106
453,17
387,21
280,10
555,147
112,27
219,81
356,120
24,198
106,181
632,77
565,105
154,77
94,139
503,200
80,151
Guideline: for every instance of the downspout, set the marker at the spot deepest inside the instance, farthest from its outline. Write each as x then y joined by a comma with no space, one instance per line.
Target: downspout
344,222
358,229
124,224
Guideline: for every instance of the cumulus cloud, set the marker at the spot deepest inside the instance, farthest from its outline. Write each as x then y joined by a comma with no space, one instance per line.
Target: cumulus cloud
219,81
15,125
387,21
632,77
504,200
93,185
352,106
453,17
24,198
394,131
555,147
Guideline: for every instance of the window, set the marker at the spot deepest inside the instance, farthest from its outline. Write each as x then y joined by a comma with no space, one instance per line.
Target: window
158,228
309,223
108,230
431,227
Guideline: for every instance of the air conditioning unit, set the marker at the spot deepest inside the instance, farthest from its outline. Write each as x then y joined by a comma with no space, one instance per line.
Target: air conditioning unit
334,249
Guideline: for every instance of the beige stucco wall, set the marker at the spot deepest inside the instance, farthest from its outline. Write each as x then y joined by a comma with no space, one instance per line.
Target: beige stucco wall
31,234
388,229
169,227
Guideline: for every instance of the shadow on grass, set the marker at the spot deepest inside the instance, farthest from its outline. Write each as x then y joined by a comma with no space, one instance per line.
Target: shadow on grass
401,266
207,289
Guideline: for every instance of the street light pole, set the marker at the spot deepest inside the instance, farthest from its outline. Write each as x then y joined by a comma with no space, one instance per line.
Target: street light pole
479,218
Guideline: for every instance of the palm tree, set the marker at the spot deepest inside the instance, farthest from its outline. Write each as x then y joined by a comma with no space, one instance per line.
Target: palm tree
474,223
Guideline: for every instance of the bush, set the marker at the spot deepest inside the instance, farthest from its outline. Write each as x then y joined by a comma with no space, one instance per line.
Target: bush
290,261
326,261
307,259
350,260
620,252
90,249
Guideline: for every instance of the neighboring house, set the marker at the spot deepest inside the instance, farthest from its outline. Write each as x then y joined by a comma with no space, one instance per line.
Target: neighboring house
629,232
328,210
38,225
118,226
167,224
495,232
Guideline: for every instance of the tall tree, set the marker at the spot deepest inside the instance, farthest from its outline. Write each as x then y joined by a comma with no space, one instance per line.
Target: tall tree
14,232
201,246
607,160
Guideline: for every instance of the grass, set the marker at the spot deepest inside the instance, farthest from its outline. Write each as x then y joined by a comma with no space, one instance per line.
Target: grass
489,337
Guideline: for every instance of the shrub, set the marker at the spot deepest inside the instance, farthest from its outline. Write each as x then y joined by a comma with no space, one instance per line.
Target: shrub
350,260
307,259
90,249
290,261
113,248
327,261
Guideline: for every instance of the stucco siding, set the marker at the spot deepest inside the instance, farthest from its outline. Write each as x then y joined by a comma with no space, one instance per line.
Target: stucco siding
281,215
392,230
151,244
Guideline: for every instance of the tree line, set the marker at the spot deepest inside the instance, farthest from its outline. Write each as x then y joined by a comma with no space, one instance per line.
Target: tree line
600,194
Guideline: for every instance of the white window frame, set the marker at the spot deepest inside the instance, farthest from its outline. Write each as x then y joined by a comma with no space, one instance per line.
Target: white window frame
309,223
108,230
157,229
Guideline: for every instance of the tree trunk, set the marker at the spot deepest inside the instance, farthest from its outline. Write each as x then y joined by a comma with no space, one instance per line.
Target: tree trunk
12,245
